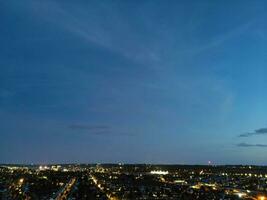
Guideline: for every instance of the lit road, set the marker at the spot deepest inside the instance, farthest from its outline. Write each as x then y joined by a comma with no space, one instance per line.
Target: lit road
66,190
100,187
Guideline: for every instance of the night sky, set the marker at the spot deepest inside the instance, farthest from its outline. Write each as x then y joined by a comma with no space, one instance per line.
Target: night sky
133,81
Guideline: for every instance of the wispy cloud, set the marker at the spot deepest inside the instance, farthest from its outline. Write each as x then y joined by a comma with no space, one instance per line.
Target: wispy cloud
89,127
97,130
261,131
88,25
224,37
251,145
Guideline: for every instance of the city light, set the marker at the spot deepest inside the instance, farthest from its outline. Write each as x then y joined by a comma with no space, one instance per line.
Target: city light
113,181
240,195
159,172
261,198
133,100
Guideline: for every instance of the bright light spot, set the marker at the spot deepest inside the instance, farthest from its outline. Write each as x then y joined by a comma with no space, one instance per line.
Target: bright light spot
240,195
159,172
261,198
21,180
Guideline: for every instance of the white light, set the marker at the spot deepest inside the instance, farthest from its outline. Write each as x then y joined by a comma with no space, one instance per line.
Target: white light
159,172
240,195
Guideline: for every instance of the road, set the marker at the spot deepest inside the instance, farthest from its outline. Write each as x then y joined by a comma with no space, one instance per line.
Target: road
66,190
101,188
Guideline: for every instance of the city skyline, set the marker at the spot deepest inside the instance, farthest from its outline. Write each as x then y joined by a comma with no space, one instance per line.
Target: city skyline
177,82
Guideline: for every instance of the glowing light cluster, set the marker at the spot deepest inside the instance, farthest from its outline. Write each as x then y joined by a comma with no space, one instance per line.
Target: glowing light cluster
159,172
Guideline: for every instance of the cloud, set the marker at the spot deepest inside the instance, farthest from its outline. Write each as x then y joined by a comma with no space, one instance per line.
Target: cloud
88,25
89,127
260,131
224,37
251,145
97,130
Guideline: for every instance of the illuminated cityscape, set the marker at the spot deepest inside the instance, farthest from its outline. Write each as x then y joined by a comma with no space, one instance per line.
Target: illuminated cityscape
122,182
133,100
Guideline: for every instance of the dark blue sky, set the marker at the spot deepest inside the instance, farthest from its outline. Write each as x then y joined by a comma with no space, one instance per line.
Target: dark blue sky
133,81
